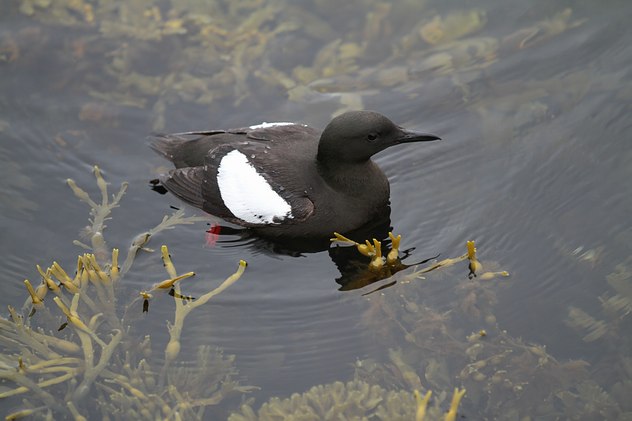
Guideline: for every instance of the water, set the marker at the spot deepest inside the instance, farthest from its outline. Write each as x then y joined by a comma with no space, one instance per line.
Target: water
531,101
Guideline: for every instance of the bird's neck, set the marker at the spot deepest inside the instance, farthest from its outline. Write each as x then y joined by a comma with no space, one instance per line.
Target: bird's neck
355,178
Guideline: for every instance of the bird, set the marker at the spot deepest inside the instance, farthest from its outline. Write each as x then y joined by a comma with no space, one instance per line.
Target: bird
286,180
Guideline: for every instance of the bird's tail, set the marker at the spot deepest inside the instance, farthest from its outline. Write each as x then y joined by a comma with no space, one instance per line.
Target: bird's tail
166,145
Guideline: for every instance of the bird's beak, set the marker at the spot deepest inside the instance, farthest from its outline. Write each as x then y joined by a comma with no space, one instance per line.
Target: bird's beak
408,136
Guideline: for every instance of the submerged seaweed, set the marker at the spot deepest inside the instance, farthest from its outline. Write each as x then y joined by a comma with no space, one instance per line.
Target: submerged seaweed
616,307
353,400
56,356
217,55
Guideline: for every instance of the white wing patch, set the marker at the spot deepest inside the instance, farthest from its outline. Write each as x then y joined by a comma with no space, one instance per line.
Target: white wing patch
247,194
265,125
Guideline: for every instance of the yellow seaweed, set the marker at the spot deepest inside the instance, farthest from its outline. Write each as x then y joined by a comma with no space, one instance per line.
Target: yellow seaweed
454,405
100,350
422,404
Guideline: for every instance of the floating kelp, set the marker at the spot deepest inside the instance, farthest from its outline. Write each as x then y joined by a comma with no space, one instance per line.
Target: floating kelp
58,355
384,267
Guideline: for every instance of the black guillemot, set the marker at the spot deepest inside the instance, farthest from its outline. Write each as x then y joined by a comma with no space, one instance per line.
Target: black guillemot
286,179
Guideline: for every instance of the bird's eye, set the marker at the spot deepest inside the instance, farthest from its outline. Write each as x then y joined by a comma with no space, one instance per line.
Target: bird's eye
371,137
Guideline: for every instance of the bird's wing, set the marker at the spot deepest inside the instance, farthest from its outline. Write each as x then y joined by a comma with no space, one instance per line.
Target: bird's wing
186,184
242,186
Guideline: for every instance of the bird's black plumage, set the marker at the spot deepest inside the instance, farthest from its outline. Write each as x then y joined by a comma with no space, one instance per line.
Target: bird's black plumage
327,179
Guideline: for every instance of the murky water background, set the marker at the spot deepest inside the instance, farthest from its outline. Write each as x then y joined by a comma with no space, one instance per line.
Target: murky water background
531,98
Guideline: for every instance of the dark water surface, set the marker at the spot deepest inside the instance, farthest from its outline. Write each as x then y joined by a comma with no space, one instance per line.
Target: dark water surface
532,100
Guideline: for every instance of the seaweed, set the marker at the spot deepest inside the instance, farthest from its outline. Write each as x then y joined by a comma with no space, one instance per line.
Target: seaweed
355,399
502,374
216,55
616,307
55,356
385,267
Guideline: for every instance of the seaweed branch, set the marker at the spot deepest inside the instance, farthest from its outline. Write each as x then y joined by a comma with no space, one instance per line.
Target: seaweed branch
183,308
99,212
